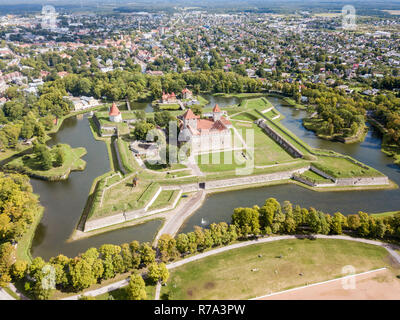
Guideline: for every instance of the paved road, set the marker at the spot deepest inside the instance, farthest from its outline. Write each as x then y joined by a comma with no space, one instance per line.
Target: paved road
5,296
175,222
107,288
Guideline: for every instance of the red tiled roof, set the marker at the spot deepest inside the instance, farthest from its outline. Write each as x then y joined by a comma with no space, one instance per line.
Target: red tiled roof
216,108
225,121
218,125
114,111
189,115
204,124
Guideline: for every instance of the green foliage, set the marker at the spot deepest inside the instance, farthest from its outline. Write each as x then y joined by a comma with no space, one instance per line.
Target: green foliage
141,130
136,288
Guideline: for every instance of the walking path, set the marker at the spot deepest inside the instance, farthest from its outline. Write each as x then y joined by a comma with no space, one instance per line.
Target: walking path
194,167
158,290
181,214
102,290
5,296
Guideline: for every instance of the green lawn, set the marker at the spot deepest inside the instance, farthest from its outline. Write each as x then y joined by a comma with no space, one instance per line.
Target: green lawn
165,198
384,214
314,177
278,266
160,167
28,164
247,116
124,197
292,103
258,104
220,161
266,152
170,106
343,168
127,157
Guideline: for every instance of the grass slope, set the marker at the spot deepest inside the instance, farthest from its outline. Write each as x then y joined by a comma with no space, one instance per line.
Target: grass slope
279,264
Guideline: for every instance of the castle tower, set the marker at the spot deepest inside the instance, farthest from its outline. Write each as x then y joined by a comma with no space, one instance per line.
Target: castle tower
115,114
189,118
217,113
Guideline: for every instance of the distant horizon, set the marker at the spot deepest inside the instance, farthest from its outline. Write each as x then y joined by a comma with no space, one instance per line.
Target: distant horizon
363,7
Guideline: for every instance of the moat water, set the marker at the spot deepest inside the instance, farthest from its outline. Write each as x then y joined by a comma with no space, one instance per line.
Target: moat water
64,201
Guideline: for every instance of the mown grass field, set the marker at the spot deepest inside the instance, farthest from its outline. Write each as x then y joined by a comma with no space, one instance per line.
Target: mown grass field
312,176
123,196
165,198
278,266
343,168
266,152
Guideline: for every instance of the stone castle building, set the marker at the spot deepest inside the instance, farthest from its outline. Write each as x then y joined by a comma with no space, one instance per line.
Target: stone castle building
210,133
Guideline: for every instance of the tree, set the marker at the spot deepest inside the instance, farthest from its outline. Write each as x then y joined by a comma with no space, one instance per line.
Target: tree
337,223
136,289
363,229
141,130
353,221
59,156
182,243
43,156
246,221
379,229
81,274
60,264
164,273
167,246
7,257
158,272
314,221
147,254
18,269
126,254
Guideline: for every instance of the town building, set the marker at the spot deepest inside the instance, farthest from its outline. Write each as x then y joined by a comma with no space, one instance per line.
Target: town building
169,98
187,94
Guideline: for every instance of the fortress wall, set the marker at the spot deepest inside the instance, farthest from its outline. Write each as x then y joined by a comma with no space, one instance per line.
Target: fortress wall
252,179
322,173
305,181
280,140
372,181
104,222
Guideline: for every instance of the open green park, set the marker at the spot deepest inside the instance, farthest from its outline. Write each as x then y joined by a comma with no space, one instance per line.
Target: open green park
31,165
261,269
